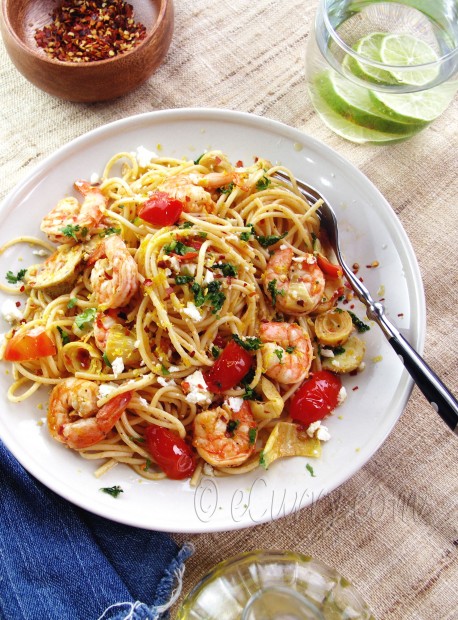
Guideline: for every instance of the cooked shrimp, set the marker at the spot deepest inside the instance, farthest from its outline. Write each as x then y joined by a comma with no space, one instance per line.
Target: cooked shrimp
73,417
102,324
80,218
114,277
193,190
294,284
287,353
224,438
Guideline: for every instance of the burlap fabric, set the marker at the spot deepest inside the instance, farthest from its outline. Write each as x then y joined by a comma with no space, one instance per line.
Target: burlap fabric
392,528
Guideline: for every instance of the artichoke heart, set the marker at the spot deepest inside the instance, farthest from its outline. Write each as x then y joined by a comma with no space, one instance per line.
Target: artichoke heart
58,273
286,439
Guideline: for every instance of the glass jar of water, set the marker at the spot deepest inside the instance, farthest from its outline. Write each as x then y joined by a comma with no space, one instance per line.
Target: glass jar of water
381,71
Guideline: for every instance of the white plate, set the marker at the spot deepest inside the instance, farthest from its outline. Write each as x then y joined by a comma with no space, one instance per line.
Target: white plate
370,231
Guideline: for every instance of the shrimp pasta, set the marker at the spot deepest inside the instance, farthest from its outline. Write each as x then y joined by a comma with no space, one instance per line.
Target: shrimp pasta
185,319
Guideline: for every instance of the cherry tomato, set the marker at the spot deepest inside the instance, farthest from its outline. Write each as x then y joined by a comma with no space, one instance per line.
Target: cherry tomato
161,209
229,369
31,345
173,455
328,268
316,397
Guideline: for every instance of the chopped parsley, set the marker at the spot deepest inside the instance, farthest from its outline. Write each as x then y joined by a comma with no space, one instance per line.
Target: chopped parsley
184,279
338,350
199,297
106,360
113,491
232,426
178,247
252,435
309,468
250,393
250,343
70,231
186,225
14,279
290,350
138,439
215,351
197,161
247,234
64,335
274,292
214,296
148,464
263,183
279,353
86,318
227,189
267,241
228,270
262,460
111,230
72,302
360,326
165,371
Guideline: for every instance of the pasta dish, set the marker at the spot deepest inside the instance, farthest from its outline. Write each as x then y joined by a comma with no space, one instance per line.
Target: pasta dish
186,318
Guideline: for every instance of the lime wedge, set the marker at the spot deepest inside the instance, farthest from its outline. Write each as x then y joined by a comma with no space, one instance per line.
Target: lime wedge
404,50
369,47
419,107
358,107
356,133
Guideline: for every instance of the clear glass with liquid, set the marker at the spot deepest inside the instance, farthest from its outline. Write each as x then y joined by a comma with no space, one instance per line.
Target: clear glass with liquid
263,585
381,71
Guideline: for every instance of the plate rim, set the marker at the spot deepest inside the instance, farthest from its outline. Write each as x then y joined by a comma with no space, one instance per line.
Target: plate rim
20,190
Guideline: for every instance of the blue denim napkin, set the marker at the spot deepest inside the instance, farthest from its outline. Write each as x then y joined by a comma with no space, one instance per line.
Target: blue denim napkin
58,561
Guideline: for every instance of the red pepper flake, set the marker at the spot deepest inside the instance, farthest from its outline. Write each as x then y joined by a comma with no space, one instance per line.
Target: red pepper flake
401,314
355,267
22,289
355,388
18,304
89,30
239,163
352,306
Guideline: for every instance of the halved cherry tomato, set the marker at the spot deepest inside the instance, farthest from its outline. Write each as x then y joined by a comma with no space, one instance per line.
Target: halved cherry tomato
328,268
229,369
161,209
173,455
316,397
31,345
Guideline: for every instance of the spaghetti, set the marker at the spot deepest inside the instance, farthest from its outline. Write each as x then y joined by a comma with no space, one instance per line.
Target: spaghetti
181,297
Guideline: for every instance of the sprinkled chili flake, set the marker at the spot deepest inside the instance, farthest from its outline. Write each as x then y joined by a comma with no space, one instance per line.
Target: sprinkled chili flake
355,388
89,30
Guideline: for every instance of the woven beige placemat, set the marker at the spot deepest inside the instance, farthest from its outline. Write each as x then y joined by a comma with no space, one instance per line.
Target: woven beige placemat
392,528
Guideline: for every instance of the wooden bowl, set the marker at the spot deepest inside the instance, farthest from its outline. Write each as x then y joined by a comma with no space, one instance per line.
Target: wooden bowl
86,81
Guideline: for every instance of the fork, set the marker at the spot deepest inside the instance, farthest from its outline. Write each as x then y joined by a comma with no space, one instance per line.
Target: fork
440,398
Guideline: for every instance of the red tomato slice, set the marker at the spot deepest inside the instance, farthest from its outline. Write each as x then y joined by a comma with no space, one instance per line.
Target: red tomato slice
316,397
31,345
335,271
173,455
229,369
161,209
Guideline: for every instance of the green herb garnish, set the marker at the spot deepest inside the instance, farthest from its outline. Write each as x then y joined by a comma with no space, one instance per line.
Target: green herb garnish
106,360
70,231
227,189
360,326
111,230
86,318
197,161
279,353
252,435
64,335
309,468
269,240
314,240
72,302
274,292
263,183
164,370
246,235
184,279
338,350
14,279
148,464
262,460
232,426
215,297
250,343
215,351
186,225
199,297
178,247
228,270
290,350
113,491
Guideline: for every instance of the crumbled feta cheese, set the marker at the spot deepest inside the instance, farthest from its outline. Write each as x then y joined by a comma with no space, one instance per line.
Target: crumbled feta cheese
144,156
341,396
41,252
94,178
318,431
298,259
362,366
167,272
335,363
231,237
137,344
235,403
208,470
164,382
198,393
174,262
209,277
191,269
192,312
310,259
143,401
117,366
283,246
11,312
326,352
105,389
174,369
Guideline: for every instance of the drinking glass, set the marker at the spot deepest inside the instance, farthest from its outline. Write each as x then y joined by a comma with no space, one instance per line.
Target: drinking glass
380,72
273,585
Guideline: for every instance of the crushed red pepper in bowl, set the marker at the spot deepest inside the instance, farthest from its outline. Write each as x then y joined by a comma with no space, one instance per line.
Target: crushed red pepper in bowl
90,30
